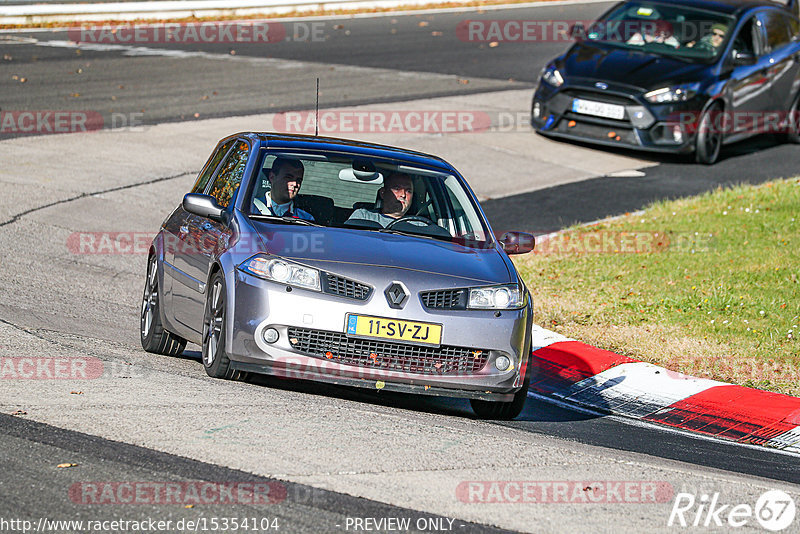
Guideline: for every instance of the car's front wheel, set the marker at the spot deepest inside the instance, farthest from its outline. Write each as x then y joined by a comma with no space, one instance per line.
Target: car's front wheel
504,411
152,333
708,141
215,360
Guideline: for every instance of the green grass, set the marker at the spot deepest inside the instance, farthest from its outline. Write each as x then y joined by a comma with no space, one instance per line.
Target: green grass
716,294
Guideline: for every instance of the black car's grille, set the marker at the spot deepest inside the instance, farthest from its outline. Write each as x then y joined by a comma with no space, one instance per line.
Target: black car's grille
382,355
584,129
448,299
344,287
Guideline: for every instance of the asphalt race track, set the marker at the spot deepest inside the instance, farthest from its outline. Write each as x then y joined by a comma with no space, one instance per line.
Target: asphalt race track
323,458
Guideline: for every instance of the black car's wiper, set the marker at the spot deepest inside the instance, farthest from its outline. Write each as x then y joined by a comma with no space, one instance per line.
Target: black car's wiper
285,219
412,234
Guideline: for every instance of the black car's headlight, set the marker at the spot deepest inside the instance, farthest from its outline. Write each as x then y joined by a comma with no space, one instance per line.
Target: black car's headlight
282,271
676,93
505,297
551,75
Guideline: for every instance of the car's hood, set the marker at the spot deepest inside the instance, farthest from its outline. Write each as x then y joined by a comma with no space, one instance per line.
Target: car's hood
322,247
635,68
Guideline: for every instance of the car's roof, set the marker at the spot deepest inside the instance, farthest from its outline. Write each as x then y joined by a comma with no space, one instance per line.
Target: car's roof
313,142
724,6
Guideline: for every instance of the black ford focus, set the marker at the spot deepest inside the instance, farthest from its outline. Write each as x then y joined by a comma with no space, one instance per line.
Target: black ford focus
681,76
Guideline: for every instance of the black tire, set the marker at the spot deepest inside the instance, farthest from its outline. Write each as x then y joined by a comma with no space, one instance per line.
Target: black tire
792,134
708,141
215,359
151,330
503,411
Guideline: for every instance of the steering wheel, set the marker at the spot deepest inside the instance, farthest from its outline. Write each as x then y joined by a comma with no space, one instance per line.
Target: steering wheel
409,218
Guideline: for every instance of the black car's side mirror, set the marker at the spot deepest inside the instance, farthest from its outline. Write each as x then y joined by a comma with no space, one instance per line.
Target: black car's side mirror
517,242
203,205
577,31
743,58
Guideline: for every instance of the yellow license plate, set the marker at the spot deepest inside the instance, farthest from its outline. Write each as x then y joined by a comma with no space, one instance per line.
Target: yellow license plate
381,327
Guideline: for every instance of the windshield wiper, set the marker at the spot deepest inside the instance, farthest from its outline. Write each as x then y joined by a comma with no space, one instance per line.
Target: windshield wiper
286,219
412,234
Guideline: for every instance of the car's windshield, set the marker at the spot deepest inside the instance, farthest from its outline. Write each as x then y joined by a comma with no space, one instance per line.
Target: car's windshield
365,194
670,30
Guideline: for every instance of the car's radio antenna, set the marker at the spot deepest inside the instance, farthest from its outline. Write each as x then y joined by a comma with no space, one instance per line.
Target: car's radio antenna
316,117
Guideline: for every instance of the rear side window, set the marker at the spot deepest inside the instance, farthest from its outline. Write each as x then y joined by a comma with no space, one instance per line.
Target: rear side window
230,175
211,166
776,26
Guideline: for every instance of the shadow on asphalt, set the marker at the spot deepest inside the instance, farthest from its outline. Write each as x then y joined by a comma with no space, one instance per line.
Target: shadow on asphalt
551,209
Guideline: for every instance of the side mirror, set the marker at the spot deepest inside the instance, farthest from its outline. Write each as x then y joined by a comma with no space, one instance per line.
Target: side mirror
577,31
743,58
517,242
203,205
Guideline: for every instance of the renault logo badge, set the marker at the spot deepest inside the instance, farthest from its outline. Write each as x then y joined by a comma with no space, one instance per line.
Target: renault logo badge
396,295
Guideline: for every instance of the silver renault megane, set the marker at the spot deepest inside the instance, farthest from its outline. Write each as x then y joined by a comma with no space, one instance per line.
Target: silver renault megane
324,259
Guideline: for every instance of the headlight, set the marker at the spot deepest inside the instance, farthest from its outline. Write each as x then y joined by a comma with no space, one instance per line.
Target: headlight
551,75
496,298
678,93
282,271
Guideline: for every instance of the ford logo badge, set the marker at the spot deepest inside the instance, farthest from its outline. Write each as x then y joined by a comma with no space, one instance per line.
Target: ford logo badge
601,85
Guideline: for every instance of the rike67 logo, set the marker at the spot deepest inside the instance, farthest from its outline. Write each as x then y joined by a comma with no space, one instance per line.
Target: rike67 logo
774,511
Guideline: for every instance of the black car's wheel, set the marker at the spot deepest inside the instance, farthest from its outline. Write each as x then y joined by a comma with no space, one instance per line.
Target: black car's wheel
504,411
215,360
792,134
709,136
153,335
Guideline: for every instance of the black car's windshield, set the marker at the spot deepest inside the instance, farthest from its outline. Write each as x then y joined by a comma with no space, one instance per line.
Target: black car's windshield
670,30
365,194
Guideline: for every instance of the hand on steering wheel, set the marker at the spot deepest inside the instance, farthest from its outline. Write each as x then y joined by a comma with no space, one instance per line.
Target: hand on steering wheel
408,218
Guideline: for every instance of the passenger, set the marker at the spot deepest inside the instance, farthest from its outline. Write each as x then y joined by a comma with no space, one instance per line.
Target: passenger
658,32
285,177
396,195
711,41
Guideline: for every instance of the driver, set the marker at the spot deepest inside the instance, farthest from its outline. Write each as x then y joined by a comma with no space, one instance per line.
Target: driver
396,195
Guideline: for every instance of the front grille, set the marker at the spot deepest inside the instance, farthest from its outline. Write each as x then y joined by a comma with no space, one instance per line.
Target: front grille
449,299
382,355
594,131
344,287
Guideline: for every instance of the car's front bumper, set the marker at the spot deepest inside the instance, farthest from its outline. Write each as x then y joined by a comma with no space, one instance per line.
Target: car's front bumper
472,340
665,128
